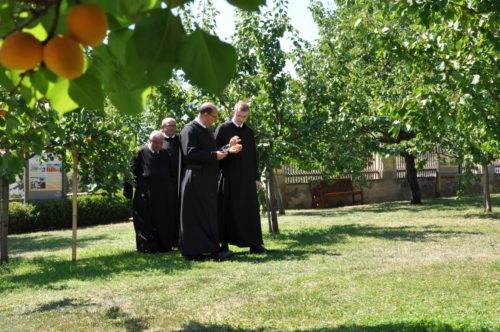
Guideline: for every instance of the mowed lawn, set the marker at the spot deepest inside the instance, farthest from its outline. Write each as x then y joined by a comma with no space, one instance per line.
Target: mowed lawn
381,267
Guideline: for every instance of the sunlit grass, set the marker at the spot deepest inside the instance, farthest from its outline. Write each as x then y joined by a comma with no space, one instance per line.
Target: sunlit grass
384,267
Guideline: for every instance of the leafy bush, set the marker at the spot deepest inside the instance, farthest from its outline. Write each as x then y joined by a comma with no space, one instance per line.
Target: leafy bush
56,214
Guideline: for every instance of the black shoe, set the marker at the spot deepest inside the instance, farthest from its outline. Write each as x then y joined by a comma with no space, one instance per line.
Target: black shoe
149,251
258,249
195,258
224,246
165,249
221,255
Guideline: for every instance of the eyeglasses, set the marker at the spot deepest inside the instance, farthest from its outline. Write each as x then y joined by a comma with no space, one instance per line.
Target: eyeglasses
213,116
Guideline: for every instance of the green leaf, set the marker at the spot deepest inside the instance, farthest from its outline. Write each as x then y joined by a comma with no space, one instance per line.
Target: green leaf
128,101
117,43
5,81
104,63
7,23
87,92
38,32
48,18
40,82
207,61
59,97
251,5
142,74
27,94
133,8
158,36
11,126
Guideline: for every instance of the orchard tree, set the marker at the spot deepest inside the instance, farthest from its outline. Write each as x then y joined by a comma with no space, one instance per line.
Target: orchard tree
261,79
42,51
454,47
355,92
24,132
78,54
99,146
462,44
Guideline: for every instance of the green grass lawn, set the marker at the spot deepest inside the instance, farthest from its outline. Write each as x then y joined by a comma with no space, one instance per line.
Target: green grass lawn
384,267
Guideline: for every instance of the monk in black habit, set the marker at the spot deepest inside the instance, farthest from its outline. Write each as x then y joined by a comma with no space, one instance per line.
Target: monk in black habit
199,232
239,181
154,198
172,145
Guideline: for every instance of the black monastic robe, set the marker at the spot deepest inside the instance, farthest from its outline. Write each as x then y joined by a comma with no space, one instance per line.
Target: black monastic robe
154,201
199,231
173,148
239,218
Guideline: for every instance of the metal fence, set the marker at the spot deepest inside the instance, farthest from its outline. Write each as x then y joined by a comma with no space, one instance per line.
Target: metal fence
294,175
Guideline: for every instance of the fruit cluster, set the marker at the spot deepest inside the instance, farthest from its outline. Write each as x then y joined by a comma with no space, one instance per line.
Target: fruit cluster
87,24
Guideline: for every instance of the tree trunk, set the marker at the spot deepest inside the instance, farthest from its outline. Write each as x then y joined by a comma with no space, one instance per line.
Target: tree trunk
74,202
486,189
26,180
411,176
268,205
279,197
4,219
270,201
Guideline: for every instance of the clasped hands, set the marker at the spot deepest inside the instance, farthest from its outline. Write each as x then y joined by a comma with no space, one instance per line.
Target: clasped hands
234,147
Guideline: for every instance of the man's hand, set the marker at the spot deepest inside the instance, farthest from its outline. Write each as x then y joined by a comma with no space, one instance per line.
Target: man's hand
221,155
235,148
234,140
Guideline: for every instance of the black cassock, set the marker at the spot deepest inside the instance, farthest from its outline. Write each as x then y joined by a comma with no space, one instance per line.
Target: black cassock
154,201
199,231
173,148
239,218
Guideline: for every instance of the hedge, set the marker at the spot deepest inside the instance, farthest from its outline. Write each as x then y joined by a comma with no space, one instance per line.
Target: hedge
56,214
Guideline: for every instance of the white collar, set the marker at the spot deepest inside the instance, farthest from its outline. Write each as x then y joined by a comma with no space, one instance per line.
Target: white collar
168,136
235,123
197,119
150,149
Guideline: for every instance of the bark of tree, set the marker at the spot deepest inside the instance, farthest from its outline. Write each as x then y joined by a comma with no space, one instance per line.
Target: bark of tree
411,177
74,202
486,189
271,203
4,219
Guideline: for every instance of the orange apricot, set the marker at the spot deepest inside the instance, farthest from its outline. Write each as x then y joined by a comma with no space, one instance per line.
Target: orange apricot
21,50
87,23
64,57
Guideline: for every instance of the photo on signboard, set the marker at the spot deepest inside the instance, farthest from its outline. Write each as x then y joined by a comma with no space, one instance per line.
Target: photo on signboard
53,167
38,183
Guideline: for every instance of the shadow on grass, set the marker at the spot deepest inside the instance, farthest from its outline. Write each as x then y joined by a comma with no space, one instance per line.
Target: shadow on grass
281,255
298,245
493,215
337,234
442,204
115,314
44,272
419,326
19,245
121,318
60,305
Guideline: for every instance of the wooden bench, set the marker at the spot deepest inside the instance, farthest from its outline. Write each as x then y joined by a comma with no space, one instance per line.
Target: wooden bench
338,188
